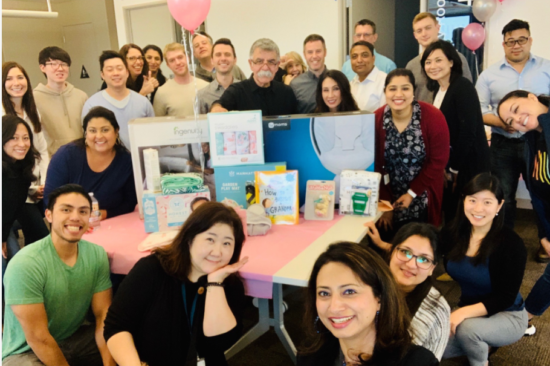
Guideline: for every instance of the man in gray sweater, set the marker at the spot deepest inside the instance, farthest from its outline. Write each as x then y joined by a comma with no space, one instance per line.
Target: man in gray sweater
426,30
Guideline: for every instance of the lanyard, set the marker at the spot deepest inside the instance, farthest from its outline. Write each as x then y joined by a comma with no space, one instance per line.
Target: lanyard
192,307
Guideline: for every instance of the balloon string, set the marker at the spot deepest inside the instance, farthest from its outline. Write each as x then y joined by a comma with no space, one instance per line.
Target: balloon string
476,62
191,60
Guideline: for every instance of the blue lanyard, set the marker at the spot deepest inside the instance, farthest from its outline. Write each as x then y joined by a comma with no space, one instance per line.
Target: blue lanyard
192,307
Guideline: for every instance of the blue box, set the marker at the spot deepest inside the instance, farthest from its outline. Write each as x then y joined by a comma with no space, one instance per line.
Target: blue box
232,181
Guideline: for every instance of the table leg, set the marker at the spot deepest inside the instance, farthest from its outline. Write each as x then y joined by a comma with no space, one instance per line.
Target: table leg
279,323
263,325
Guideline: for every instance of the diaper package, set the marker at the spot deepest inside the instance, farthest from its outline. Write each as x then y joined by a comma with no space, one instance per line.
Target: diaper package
359,192
320,196
181,183
277,192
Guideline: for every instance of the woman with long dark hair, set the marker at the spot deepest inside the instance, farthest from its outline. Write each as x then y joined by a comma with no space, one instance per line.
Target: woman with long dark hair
413,256
355,314
154,58
530,115
412,150
487,260
99,162
18,100
334,93
18,159
184,301
456,97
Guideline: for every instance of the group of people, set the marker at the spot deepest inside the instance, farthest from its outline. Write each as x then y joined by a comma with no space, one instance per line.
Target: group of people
374,305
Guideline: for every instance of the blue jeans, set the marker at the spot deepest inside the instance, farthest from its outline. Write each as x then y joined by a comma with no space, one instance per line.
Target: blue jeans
539,299
507,163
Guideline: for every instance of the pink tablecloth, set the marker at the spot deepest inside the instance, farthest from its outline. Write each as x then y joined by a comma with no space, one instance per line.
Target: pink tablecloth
267,254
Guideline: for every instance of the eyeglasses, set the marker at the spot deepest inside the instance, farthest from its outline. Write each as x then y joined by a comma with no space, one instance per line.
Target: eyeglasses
57,65
512,42
135,58
264,62
406,255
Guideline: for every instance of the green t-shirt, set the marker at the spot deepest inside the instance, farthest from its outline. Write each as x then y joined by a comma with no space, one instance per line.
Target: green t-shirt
37,275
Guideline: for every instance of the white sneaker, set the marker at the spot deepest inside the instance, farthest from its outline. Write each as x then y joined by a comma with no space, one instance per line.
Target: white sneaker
531,330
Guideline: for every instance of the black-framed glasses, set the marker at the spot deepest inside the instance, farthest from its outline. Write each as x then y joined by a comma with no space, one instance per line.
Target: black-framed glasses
57,65
265,62
406,255
512,42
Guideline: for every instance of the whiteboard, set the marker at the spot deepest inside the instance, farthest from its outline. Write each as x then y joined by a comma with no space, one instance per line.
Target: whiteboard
287,22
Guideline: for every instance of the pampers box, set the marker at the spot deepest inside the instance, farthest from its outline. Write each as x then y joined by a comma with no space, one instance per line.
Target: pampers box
168,212
236,183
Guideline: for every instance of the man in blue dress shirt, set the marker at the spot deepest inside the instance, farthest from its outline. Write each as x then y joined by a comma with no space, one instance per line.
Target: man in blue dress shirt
365,30
519,69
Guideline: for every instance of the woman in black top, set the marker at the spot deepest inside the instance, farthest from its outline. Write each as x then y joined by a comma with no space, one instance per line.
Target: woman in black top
355,314
153,57
184,302
488,261
18,159
457,99
334,93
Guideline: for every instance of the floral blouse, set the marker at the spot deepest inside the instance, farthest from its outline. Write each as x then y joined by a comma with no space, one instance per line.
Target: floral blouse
404,154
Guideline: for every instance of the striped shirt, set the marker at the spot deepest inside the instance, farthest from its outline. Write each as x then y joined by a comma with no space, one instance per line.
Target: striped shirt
431,325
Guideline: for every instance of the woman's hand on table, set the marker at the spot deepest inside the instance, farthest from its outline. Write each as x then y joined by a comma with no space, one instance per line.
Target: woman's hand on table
403,202
221,274
386,220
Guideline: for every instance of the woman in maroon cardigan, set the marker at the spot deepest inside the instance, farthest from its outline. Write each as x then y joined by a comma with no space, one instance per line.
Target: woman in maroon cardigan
412,150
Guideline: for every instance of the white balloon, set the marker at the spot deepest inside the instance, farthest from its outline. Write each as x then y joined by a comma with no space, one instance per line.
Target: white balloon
483,9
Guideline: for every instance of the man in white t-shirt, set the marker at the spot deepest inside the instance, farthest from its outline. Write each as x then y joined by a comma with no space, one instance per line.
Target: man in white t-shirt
367,86
176,97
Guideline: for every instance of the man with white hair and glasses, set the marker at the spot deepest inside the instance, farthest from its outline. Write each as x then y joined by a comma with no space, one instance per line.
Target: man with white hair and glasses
260,91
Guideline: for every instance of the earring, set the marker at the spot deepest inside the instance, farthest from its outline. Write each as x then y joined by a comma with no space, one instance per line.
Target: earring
376,318
496,214
118,141
316,325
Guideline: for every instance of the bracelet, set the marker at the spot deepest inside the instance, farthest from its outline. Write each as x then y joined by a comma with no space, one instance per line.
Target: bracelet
217,284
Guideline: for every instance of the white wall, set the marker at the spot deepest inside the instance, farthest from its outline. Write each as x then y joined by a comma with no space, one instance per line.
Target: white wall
23,38
287,22
533,11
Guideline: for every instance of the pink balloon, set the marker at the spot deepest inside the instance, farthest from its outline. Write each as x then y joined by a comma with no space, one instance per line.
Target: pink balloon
189,13
473,36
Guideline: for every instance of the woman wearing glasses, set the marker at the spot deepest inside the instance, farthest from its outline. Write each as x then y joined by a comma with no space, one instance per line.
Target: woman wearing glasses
487,260
18,100
141,80
413,255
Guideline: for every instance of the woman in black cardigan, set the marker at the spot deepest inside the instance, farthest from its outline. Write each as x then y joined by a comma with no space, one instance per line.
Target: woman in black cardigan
184,302
488,261
457,99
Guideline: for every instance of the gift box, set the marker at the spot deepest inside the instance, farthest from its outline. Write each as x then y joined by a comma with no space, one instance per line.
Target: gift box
168,212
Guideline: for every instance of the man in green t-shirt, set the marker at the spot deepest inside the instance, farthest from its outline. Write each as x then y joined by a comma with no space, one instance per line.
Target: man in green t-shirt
49,288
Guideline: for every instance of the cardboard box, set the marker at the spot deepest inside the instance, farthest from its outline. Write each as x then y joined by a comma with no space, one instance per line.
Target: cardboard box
232,181
236,138
168,212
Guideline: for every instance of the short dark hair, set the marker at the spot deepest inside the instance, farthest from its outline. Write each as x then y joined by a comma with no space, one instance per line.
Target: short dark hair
175,258
366,22
202,33
198,199
460,229
53,53
66,189
101,112
313,38
400,72
225,41
515,24
363,43
110,54
392,333
452,55
347,104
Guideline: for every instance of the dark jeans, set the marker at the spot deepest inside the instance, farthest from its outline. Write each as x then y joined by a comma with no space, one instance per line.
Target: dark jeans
31,219
507,163
539,299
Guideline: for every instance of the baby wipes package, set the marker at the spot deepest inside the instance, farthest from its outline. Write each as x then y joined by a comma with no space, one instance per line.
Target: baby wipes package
359,192
277,192
320,196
